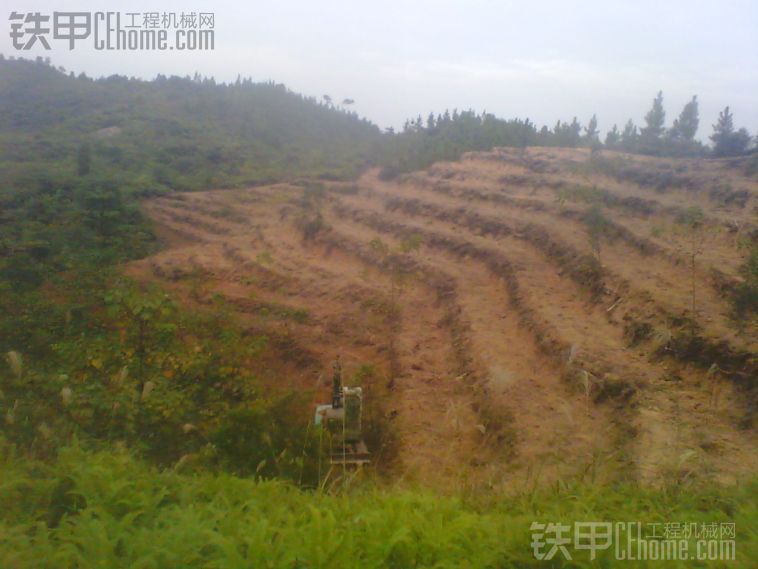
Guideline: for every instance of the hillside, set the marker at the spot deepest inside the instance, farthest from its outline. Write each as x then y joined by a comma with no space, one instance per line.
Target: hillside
172,133
545,329
524,313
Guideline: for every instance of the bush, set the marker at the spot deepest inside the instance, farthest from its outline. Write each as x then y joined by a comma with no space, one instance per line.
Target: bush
389,173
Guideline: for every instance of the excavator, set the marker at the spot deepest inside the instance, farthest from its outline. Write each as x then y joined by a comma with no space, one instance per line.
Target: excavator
342,419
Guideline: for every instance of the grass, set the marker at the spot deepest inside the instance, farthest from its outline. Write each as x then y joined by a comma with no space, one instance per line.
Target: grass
107,509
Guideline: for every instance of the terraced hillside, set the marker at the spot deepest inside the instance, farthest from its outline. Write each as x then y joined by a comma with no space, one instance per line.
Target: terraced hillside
517,317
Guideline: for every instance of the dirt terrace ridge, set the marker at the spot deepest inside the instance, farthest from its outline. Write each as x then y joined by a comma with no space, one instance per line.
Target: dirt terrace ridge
497,345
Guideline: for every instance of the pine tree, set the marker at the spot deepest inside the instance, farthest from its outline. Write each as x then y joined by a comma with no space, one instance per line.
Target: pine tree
686,125
613,137
575,132
430,122
591,132
727,142
654,119
629,137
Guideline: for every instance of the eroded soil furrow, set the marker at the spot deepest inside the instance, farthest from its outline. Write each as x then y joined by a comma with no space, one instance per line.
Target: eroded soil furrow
520,385
630,176
665,276
634,306
555,337
649,215
598,349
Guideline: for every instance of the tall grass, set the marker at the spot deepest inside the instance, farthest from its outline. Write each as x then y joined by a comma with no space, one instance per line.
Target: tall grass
107,509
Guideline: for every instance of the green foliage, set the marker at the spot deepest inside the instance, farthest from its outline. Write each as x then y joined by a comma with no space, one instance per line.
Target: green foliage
691,218
135,368
612,137
107,509
745,296
379,247
448,137
92,361
686,125
591,133
263,439
411,243
84,159
727,141
311,225
654,120
598,226
171,133
565,134
629,136
655,139
578,193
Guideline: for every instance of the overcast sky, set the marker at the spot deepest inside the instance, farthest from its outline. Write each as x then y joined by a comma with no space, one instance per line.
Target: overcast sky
539,59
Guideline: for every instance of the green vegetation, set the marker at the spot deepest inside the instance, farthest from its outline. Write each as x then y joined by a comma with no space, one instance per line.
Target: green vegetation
447,136
727,141
95,358
165,382
172,133
597,228
107,509
745,296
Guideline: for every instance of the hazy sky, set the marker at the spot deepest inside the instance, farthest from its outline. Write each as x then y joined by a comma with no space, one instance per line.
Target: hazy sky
539,59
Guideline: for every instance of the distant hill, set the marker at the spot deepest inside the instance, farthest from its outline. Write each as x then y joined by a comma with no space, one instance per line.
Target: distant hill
172,132
76,154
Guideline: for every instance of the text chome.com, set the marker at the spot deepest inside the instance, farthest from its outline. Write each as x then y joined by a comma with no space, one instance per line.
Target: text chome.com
635,541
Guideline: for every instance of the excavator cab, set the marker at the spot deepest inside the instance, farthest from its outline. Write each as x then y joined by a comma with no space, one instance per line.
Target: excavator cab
342,419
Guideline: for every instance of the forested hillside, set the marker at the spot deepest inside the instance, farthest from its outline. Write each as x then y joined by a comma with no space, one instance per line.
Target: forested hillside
178,133
446,136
